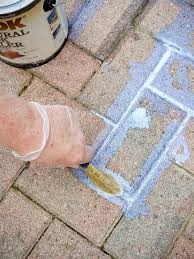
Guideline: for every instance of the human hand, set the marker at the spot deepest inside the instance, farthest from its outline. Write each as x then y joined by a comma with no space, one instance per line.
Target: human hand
66,144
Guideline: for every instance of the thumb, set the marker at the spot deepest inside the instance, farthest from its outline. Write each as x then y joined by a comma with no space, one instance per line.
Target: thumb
88,154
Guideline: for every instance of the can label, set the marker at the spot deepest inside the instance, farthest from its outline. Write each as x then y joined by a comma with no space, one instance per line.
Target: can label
33,36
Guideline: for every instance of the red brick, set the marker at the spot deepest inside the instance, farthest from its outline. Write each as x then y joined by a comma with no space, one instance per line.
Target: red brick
189,231
158,15
115,75
69,70
102,24
60,192
150,236
72,201
169,20
9,170
72,9
183,249
21,224
59,241
13,79
142,146
189,138
188,142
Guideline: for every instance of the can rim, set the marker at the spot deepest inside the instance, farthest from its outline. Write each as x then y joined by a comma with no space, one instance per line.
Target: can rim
16,8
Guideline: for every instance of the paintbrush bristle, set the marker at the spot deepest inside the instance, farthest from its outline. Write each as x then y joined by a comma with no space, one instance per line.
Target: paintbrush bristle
103,181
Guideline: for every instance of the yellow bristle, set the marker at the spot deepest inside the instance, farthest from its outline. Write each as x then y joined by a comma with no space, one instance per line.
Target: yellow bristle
103,181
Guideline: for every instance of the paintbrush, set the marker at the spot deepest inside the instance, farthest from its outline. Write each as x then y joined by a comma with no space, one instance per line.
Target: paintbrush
101,180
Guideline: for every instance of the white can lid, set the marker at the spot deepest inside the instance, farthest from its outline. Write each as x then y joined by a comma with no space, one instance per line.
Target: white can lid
10,6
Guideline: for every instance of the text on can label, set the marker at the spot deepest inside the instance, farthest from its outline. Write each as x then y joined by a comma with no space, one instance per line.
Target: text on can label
12,24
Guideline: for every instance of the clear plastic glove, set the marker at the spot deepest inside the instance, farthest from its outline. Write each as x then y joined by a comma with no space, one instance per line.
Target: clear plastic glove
66,144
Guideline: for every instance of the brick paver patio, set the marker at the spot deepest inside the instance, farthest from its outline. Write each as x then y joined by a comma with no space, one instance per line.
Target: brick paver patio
128,70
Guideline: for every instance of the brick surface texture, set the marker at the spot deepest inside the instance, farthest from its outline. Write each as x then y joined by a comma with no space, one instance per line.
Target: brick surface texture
120,77
72,9
102,23
65,196
170,203
69,70
142,145
9,170
187,163
159,15
21,224
177,79
127,69
183,249
59,241
13,79
189,231
168,21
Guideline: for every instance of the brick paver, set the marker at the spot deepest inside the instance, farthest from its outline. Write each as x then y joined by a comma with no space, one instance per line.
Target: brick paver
69,70
9,170
176,79
95,222
102,22
74,203
183,249
13,79
189,231
171,22
159,15
59,241
21,224
72,9
184,148
136,109
116,83
150,236
133,152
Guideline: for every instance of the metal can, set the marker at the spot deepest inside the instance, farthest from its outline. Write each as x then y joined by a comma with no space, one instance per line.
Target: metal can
31,31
